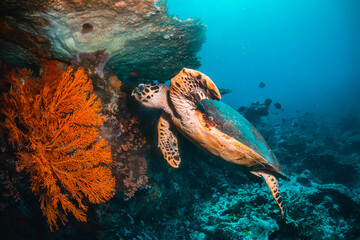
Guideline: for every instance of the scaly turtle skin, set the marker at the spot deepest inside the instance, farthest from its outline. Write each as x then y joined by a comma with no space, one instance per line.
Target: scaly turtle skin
191,106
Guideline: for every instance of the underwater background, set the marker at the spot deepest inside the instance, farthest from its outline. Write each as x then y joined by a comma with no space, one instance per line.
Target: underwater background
306,52
79,155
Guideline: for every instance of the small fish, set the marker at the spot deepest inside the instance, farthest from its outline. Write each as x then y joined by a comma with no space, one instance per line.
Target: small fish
224,91
268,101
277,105
262,85
241,109
134,73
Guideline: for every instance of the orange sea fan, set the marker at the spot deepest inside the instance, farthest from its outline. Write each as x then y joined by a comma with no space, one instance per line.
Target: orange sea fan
54,125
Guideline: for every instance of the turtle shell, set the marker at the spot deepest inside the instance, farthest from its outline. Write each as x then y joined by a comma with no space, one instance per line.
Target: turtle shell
232,123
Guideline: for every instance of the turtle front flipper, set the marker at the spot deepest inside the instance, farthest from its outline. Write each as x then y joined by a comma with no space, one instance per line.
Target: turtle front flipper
273,184
192,85
167,137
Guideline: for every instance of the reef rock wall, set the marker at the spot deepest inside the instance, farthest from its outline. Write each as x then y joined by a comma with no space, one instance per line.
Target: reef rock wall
135,37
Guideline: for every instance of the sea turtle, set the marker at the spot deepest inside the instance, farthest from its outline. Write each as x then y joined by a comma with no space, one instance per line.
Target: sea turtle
191,106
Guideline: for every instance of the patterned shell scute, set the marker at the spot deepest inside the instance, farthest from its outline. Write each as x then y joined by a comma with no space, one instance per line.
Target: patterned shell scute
232,123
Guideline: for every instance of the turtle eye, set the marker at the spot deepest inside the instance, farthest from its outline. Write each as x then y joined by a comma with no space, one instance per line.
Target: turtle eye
141,87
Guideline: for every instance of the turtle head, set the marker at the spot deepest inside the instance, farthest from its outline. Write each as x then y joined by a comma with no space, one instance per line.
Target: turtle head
152,95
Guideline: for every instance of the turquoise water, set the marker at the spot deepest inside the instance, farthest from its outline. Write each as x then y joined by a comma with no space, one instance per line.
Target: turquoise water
306,52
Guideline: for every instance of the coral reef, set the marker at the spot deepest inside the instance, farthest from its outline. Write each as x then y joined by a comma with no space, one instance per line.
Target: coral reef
314,211
94,62
10,193
135,35
129,166
255,111
227,215
206,199
210,199
53,121
80,141
128,144
203,199
5,70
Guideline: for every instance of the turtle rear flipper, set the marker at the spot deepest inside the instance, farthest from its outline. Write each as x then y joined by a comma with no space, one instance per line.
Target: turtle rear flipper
273,184
167,138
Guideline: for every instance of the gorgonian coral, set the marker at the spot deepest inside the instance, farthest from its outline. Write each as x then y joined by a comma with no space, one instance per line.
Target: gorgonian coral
53,121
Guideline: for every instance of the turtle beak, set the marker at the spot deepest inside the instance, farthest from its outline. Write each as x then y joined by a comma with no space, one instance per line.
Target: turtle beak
134,92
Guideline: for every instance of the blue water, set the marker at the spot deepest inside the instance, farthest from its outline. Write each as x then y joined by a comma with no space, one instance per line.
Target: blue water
306,52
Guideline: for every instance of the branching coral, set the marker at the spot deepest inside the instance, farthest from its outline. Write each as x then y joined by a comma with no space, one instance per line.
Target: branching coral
54,121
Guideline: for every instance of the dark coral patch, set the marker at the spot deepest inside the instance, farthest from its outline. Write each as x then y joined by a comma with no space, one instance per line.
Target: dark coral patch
86,28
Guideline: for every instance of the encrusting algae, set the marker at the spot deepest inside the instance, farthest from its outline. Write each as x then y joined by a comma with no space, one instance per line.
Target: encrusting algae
53,122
